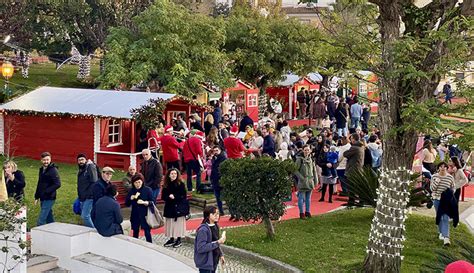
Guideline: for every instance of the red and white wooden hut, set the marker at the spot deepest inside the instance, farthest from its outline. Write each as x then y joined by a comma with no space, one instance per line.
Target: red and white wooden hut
66,121
245,97
287,89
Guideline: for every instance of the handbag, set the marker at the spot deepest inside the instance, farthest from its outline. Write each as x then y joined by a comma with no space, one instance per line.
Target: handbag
153,217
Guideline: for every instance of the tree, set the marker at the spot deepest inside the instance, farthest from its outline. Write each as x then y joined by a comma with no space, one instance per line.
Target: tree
263,48
86,24
169,44
409,48
257,188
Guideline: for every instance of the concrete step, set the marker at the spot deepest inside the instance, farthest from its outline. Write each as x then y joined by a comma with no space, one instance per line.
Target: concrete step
41,263
56,270
107,265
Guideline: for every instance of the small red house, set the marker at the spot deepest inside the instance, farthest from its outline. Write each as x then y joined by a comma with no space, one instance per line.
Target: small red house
66,121
287,89
245,97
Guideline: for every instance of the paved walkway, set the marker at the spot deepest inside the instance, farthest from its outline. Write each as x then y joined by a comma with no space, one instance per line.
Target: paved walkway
233,264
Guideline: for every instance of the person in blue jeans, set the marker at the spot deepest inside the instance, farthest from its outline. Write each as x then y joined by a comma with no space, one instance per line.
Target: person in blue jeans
440,182
48,183
307,177
217,159
86,177
153,172
356,112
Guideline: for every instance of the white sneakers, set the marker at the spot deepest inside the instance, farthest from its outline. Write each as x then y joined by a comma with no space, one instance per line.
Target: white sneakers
446,241
441,237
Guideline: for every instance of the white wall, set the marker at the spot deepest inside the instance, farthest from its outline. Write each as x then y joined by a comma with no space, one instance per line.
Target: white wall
66,241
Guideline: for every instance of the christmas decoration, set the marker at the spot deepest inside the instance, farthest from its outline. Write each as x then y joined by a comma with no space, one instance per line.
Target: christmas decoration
84,63
23,59
388,225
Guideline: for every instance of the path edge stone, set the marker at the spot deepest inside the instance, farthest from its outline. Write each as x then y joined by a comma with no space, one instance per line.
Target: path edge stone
278,265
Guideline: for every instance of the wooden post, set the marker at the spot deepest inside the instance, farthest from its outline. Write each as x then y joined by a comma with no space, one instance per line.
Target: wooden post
388,225
133,143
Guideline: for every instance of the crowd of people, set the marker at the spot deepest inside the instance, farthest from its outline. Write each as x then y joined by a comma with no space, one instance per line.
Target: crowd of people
339,144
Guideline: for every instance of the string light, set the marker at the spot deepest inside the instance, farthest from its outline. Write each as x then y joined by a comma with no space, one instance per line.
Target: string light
386,238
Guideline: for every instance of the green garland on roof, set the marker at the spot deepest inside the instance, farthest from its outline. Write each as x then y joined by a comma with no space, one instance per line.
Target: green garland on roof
54,114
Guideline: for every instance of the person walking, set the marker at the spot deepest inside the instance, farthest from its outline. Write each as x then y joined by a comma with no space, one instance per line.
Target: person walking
355,161
140,197
428,156
152,172
440,182
86,178
106,214
14,180
306,179
48,183
174,193
459,176
217,159
98,190
207,252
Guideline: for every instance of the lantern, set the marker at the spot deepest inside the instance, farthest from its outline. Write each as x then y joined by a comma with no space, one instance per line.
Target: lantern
7,70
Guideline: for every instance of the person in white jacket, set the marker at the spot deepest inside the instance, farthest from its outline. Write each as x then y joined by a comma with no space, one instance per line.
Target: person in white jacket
343,145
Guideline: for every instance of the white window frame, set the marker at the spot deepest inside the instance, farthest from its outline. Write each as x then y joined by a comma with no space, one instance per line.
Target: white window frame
252,100
117,124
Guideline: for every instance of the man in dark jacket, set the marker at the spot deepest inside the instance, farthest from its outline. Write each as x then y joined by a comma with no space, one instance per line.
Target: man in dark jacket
48,183
98,190
268,142
86,177
153,173
219,157
246,121
106,214
194,123
355,159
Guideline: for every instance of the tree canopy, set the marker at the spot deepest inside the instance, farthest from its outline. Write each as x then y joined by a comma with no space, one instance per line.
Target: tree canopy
263,48
169,44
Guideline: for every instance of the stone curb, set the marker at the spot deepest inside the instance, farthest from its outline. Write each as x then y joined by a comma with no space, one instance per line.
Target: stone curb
467,217
277,265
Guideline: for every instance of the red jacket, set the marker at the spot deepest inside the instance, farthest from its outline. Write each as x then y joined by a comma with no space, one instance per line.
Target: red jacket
170,146
152,134
194,145
234,147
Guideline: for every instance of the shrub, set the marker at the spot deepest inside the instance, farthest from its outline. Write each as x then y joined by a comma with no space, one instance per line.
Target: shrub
257,188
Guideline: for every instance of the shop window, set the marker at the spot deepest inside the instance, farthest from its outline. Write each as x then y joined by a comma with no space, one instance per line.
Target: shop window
252,100
115,131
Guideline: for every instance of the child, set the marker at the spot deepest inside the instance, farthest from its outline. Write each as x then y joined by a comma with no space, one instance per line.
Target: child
284,152
326,123
333,156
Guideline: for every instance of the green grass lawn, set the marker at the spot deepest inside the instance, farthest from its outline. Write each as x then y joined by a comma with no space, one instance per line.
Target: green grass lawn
46,74
65,195
336,242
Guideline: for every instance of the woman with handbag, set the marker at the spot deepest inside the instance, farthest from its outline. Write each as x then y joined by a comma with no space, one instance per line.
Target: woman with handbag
139,197
176,208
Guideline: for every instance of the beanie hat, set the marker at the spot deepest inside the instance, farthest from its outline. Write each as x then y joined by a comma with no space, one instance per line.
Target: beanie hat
168,128
234,130
81,155
137,177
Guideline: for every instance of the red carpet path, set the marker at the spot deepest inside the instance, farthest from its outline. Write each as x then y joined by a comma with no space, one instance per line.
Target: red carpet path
291,212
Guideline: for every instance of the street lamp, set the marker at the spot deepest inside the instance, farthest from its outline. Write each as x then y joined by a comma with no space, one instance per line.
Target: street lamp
7,73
